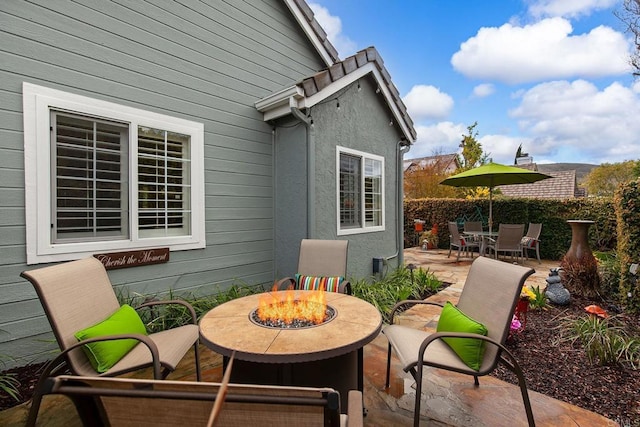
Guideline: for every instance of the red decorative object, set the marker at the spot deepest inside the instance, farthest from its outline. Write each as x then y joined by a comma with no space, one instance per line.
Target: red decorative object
521,312
596,310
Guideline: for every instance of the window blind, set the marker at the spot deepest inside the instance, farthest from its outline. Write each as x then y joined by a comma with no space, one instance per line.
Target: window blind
349,191
163,182
90,174
373,192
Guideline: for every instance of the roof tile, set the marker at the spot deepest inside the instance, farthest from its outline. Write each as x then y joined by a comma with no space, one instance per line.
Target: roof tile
563,185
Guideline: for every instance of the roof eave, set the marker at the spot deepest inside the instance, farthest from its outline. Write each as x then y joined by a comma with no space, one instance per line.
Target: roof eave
279,104
305,17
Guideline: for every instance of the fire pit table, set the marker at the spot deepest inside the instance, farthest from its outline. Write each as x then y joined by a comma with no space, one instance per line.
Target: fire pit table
329,354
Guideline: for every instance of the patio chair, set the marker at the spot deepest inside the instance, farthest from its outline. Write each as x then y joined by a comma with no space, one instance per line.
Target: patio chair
531,240
508,241
322,264
102,401
460,242
488,299
78,299
471,226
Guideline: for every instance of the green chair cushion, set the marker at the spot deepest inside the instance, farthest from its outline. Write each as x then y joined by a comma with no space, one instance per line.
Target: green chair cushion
104,354
470,350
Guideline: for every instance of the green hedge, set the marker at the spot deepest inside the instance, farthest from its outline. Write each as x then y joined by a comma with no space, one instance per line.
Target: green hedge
553,214
627,204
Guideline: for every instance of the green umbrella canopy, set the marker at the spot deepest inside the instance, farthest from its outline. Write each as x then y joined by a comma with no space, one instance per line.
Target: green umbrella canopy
492,175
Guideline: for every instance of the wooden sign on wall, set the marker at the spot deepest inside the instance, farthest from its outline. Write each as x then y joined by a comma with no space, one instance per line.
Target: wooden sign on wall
115,260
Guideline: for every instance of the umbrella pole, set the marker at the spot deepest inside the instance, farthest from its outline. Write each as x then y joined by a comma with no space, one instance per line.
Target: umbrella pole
490,210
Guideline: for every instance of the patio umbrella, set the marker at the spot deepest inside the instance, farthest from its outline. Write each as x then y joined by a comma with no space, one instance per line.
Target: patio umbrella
492,175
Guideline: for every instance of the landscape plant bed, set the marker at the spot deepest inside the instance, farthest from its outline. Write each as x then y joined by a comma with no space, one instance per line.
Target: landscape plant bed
561,370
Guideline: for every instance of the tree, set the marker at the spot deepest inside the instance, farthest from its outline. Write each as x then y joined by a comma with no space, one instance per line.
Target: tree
423,180
603,180
636,169
472,154
630,15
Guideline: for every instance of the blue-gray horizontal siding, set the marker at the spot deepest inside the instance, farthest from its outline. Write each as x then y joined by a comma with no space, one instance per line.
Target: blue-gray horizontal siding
203,61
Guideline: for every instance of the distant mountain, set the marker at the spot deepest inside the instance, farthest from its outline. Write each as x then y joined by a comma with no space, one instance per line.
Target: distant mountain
582,169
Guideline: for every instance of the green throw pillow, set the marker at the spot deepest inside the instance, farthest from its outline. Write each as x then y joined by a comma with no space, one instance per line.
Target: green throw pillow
104,354
470,350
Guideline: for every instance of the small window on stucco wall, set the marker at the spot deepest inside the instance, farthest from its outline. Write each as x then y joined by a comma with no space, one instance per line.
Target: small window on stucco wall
360,190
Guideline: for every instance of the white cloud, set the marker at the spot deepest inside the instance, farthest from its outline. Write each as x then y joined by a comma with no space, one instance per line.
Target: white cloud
579,120
332,25
541,51
483,90
502,148
427,102
442,138
567,8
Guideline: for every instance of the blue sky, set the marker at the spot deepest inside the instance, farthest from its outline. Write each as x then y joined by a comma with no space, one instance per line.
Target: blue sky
552,75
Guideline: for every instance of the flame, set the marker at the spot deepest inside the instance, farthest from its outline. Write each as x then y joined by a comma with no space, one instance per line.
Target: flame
310,306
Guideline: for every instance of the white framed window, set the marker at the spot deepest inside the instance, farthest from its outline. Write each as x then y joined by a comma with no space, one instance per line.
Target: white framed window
103,177
360,191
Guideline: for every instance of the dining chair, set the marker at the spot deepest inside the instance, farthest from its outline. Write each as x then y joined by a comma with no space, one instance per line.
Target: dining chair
460,242
531,240
471,226
508,241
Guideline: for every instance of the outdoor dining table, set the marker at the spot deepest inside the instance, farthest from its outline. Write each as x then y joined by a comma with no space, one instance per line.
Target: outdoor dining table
325,355
484,238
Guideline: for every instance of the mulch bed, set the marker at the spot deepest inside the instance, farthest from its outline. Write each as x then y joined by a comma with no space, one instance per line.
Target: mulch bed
28,377
562,370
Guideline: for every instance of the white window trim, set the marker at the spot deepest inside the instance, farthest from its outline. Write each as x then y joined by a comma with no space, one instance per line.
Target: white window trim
364,229
37,103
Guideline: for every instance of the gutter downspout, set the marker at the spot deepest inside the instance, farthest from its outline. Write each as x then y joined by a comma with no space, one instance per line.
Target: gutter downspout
311,171
403,147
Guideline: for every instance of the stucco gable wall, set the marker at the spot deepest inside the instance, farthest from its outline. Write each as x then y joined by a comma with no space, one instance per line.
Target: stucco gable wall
361,123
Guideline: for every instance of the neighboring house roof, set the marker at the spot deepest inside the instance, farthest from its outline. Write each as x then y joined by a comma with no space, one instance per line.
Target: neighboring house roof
563,185
338,75
449,162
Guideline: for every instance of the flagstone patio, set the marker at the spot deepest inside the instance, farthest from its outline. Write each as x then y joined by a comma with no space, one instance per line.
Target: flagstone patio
449,399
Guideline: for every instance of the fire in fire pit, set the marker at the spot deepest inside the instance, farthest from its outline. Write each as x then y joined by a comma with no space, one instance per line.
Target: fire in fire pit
282,311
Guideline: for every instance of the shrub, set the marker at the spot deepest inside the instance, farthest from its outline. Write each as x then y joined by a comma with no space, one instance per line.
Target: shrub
628,249
539,300
556,233
9,384
426,282
609,269
605,343
580,275
384,293
161,317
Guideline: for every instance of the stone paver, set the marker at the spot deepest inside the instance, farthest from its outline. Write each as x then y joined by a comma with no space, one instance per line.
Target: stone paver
449,399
